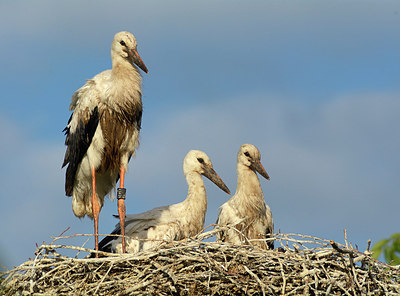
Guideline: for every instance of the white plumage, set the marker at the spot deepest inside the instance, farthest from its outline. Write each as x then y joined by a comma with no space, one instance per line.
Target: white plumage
248,202
103,130
174,222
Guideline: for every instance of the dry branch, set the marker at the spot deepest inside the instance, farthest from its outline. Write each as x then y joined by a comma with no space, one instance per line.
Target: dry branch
303,265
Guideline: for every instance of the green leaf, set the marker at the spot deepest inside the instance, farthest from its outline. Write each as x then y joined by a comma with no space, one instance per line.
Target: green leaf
376,253
396,245
390,248
378,248
395,236
380,244
388,254
395,260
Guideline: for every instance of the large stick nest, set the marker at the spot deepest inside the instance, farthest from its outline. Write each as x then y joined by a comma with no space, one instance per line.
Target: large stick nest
302,265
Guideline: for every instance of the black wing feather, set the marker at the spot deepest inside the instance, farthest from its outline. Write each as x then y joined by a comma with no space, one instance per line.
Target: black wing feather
104,244
78,143
270,244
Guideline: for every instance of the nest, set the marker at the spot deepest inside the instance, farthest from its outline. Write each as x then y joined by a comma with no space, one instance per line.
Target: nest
300,264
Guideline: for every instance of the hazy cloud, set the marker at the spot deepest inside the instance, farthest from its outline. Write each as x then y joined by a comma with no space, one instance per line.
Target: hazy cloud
314,86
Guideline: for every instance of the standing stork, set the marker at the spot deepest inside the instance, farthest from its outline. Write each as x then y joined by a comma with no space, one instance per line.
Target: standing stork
103,131
148,230
248,203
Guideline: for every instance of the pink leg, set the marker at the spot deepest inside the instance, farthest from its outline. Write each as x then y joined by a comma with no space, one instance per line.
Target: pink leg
96,211
121,207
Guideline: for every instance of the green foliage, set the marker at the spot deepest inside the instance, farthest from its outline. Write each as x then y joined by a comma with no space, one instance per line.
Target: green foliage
390,248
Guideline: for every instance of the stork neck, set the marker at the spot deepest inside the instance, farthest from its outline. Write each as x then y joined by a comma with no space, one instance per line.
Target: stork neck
196,199
125,86
195,203
248,182
123,69
196,188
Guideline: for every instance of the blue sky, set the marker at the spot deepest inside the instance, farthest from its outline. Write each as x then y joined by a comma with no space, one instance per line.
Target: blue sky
315,85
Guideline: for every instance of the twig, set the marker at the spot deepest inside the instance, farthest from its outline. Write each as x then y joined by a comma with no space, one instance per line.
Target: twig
316,266
139,286
103,278
283,278
257,279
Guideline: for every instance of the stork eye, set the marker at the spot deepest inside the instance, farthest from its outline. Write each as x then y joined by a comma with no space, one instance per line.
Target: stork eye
201,160
122,43
247,154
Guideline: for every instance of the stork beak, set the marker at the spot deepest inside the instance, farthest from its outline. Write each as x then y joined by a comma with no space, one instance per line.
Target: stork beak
213,177
135,58
256,165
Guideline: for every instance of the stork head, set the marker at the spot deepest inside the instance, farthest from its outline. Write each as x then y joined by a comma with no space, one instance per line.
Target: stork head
125,46
197,161
250,156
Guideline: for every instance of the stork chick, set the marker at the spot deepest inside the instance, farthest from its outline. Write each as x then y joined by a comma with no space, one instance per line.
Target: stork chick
103,130
174,222
248,203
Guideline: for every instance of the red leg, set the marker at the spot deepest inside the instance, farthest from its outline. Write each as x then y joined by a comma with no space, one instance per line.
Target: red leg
96,211
121,208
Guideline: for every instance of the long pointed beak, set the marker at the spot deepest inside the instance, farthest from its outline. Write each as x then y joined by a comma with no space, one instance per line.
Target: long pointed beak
213,177
135,58
260,169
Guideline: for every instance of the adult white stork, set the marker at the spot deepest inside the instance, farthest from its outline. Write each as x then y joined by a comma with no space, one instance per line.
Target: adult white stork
248,202
174,222
103,131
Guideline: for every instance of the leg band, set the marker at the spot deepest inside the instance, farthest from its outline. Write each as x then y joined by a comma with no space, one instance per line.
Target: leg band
121,193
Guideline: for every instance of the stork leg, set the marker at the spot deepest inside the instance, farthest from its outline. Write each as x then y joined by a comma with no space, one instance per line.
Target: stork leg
96,211
121,206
